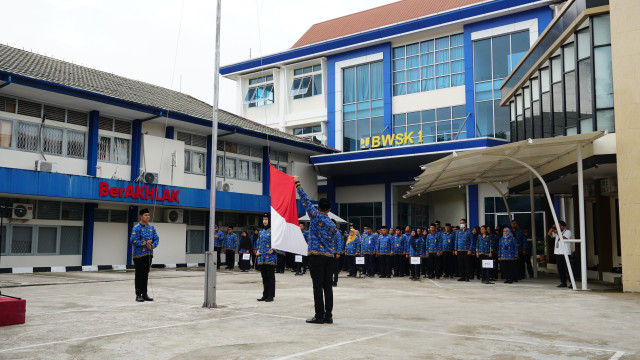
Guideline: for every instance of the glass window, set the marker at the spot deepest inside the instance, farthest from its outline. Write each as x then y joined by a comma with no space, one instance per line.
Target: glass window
256,171
75,144
3,239
52,140
104,148
605,120
22,240
501,56
28,135
547,119
482,60
47,240
501,114
601,30
198,161
544,80
362,82
584,43
243,169
230,168
604,77
556,69
569,57
558,114
121,151
349,85
584,79
6,130
426,46
535,89
571,99
519,46
484,118
350,138
219,166
369,85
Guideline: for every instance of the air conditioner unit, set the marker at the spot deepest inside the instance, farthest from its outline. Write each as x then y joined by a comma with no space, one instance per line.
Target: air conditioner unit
251,220
173,216
46,166
22,211
224,186
150,178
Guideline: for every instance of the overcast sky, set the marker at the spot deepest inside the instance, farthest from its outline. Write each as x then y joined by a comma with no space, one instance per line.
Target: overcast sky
138,38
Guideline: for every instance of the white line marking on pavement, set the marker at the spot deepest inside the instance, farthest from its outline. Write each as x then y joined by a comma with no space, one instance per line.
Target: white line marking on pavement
117,333
334,345
434,283
617,355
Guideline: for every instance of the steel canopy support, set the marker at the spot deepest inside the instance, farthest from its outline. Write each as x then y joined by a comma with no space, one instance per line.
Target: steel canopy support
504,198
534,254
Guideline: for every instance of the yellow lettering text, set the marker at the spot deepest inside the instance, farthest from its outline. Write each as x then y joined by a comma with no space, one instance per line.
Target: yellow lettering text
399,139
375,142
387,140
408,138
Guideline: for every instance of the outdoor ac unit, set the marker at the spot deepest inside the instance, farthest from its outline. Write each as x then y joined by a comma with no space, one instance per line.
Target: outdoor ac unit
589,190
173,216
609,186
224,186
22,211
150,178
251,220
46,166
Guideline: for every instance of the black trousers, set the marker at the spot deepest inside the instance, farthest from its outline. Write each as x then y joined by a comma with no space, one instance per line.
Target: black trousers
527,261
291,261
321,269
434,265
398,265
370,261
508,269
520,274
337,266
415,269
385,265
448,264
301,267
485,271
230,258
218,250
281,262
142,266
268,280
243,264
253,259
465,265
563,270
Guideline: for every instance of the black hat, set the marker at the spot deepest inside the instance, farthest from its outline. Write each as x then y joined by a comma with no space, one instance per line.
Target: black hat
143,211
383,227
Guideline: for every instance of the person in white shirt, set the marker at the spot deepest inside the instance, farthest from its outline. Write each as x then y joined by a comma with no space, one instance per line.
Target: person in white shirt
560,249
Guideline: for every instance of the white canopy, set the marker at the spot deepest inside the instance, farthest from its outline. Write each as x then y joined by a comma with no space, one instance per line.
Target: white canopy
332,216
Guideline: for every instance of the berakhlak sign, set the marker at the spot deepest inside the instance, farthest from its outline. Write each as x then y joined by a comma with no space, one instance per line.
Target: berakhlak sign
138,192
390,140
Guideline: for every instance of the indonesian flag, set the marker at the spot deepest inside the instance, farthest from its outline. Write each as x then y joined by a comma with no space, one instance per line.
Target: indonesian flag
285,228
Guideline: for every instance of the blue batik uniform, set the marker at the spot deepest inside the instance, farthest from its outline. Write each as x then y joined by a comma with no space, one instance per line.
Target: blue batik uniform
230,242
508,248
139,236
264,245
353,246
484,245
369,244
306,235
521,239
399,244
495,242
322,229
474,241
447,241
338,243
433,243
414,248
385,244
463,240
218,239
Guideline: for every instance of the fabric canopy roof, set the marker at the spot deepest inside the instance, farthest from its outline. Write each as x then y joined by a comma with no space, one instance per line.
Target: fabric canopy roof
496,164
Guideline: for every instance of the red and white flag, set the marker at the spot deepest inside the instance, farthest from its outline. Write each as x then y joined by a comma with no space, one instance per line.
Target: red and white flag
285,228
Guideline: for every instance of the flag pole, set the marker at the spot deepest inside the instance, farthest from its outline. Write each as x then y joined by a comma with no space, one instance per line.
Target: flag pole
211,256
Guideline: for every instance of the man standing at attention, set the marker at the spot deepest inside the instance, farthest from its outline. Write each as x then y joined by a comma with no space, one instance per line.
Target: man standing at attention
321,247
144,239
229,245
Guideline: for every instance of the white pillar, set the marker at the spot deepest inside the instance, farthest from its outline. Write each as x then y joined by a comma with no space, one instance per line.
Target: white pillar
583,231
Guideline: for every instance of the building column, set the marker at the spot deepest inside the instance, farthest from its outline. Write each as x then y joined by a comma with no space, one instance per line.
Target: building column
266,172
136,144
387,204
87,233
92,143
472,206
131,222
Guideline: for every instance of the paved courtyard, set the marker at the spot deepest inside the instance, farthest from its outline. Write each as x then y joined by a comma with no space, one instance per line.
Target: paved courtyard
93,315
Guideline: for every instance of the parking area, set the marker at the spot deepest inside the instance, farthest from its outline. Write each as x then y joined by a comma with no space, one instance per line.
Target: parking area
93,315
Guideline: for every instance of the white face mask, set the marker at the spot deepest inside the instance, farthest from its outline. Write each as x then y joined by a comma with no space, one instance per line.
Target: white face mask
462,226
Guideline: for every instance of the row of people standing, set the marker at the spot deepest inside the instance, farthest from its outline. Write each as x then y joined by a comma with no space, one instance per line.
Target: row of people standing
449,252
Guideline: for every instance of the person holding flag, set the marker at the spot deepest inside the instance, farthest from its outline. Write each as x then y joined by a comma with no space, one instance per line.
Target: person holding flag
321,247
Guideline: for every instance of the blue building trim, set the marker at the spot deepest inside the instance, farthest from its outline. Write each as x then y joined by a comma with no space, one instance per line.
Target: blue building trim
385,49
331,195
266,172
408,150
132,221
136,148
378,178
544,15
87,234
474,216
210,164
92,143
389,31
169,132
387,203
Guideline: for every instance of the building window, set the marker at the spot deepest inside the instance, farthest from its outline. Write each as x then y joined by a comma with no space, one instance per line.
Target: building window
493,60
311,133
114,125
192,139
195,241
362,214
113,149
115,216
256,172
55,140
260,91
6,133
435,125
603,73
428,65
41,240
307,82
363,103
195,162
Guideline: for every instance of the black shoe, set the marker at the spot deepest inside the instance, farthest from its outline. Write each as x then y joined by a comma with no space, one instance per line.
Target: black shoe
562,285
262,299
298,274
461,279
389,277
466,279
139,298
335,284
269,299
489,283
315,320
146,297
328,320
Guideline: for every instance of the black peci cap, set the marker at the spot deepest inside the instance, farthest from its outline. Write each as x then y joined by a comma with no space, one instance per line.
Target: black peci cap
143,211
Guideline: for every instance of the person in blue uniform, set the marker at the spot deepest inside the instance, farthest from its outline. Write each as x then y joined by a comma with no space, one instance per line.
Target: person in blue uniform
266,259
352,250
301,267
244,248
495,241
322,232
369,249
463,251
217,245
338,253
521,241
484,251
254,245
507,255
447,244
415,246
476,266
229,245
384,250
400,252
144,239
434,252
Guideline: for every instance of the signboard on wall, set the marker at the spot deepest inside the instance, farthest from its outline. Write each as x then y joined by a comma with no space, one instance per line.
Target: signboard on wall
138,192
390,140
